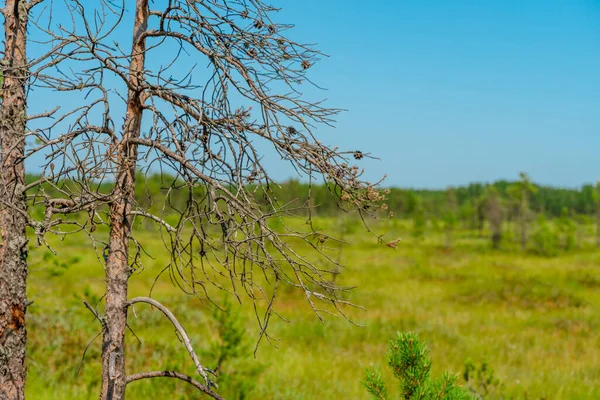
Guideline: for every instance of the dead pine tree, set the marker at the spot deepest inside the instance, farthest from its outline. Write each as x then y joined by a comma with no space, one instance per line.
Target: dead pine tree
19,73
521,192
16,76
209,126
13,217
118,270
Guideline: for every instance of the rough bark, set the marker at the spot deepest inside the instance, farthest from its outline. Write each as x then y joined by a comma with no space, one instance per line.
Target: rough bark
114,378
13,220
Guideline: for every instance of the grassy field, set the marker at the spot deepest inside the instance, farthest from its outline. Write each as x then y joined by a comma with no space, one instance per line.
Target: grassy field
535,320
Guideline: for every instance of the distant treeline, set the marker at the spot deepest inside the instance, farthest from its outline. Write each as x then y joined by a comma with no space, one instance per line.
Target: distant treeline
152,190
547,200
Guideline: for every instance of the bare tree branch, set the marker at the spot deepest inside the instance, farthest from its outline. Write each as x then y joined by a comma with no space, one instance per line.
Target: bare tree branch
180,329
204,89
177,375
154,218
33,3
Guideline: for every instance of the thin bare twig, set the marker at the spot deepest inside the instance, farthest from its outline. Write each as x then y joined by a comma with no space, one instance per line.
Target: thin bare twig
179,328
177,375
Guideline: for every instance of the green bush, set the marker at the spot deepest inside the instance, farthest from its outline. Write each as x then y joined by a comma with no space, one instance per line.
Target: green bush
568,230
409,360
237,370
481,381
545,240
419,223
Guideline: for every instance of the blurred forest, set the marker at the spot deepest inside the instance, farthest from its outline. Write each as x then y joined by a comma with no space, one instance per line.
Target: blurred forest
543,219
467,203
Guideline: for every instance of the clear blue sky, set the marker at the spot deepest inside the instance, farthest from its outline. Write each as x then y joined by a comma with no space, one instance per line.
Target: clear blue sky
449,92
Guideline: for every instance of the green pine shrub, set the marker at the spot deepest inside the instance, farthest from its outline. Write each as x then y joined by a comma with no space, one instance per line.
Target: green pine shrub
408,358
481,381
568,230
236,368
419,223
545,240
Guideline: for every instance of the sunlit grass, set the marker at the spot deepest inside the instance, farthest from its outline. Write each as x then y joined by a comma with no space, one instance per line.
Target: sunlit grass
534,319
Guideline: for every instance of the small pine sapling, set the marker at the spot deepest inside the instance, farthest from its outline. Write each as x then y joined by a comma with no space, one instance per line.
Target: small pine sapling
238,372
480,380
408,358
568,230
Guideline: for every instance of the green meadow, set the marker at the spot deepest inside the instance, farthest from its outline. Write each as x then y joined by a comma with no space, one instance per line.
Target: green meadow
533,319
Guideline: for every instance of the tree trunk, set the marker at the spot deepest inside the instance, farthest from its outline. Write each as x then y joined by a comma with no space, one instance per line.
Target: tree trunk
13,220
117,264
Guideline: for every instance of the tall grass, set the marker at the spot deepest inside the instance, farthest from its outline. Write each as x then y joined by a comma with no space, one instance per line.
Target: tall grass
533,318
